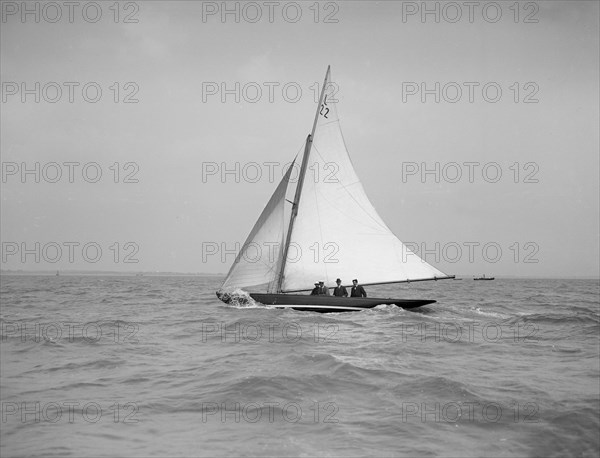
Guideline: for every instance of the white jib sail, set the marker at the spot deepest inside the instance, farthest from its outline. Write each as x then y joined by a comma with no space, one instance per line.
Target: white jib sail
337,232
259,259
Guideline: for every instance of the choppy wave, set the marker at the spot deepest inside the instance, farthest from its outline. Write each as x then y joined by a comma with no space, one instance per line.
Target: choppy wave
158,366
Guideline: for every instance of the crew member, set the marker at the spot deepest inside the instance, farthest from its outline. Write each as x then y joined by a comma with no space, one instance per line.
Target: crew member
323,290
357,290
339,290
315,291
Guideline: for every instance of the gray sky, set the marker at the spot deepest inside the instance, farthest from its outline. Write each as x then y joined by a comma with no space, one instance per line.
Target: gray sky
171,59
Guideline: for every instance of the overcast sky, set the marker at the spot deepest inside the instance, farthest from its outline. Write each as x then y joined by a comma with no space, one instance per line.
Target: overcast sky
540,132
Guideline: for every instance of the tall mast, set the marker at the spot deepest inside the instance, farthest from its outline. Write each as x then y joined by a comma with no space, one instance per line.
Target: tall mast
294,213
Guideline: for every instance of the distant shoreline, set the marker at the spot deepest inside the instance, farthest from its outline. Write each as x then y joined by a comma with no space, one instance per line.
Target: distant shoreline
107,273
52,273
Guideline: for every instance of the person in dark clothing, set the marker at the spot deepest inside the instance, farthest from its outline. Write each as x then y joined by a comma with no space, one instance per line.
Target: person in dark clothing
323,290
340,290
315,291
357,290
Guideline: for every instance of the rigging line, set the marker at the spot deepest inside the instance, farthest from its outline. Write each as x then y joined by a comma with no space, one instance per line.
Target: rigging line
330,122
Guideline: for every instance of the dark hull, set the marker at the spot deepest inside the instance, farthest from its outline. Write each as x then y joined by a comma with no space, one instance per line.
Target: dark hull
324,304
490,278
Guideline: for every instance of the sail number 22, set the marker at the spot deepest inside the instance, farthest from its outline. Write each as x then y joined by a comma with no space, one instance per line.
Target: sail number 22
324,107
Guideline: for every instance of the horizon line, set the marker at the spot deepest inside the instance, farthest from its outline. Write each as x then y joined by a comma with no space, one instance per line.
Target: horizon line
166,273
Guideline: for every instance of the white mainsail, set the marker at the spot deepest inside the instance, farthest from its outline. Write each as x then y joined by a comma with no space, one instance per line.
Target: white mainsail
337,231
259,260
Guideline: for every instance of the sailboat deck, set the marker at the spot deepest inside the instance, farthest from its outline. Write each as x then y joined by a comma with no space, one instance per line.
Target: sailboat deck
333,303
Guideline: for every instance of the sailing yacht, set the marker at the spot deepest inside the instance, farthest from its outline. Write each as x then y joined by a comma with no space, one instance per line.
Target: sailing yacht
330,229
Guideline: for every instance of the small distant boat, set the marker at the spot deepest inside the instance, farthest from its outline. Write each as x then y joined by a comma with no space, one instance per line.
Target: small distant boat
333,213
57,274
483,277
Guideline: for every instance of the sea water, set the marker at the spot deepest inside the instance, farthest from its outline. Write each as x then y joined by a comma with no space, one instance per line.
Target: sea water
158,366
